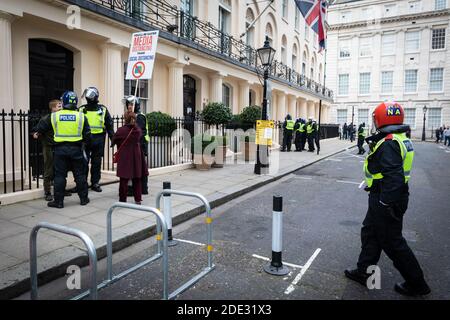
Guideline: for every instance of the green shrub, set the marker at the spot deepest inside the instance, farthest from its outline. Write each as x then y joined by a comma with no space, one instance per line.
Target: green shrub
199,143
160,124
250,114
216,113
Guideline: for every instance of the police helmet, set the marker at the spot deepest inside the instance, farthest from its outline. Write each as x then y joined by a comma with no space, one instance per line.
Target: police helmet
133,100
91,94
69,99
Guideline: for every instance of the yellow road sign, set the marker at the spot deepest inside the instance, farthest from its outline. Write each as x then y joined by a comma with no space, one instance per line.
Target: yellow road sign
264,132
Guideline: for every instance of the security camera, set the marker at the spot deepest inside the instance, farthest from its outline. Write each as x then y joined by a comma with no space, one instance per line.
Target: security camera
187,58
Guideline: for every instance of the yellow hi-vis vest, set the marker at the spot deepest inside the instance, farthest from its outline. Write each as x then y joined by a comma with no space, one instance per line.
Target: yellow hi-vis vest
407,153
290,125
147,136
309,128
301,127
67,125
362,133
96,119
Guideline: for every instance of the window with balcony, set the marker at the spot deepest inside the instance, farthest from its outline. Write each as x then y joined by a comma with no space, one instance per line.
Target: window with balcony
284,50
387,81
440,4
388,44
412,41
269,34
343,84
410,81
187,6
436,79
434,118
344,49
364,83
365,47
438,39
294,57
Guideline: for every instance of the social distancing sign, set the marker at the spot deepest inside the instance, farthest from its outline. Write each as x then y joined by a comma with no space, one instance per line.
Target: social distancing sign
142,55
264,132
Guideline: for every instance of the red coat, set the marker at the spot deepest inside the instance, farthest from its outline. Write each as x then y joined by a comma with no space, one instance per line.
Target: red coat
131,162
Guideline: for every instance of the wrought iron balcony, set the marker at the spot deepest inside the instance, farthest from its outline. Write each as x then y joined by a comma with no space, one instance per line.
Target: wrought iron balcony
199,34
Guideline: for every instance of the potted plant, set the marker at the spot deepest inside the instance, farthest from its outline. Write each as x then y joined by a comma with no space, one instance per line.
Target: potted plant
203,149
221,146
160,128
216,113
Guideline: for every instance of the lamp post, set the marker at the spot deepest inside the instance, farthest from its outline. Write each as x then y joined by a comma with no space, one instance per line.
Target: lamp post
424,118
266,55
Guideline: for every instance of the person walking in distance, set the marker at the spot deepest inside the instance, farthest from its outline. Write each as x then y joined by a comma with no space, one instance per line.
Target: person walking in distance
387,170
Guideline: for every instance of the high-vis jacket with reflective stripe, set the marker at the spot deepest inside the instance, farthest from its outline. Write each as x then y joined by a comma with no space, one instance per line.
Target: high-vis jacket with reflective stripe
309,128
67,125
147,136
290,125
96,119
301,127
407,152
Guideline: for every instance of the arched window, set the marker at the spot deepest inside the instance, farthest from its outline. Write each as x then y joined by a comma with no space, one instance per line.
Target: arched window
249,18
227,95
304,62
187,6
320,73
294,57
284,49
269,33
313,63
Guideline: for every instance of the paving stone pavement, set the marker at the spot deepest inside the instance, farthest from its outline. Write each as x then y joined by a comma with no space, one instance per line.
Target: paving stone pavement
55,251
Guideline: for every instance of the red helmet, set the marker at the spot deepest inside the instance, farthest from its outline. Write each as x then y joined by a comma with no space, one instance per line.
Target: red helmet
388,113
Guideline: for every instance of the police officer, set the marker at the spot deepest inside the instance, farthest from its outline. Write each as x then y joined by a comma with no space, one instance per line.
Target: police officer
387,170
70,130
288,129
100,122
310,129
299,133
361,137
133,103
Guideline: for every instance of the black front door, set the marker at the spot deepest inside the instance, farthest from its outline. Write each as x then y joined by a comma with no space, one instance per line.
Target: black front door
51,73
189,93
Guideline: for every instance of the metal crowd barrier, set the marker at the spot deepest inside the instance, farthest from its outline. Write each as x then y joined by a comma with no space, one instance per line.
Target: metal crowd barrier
73,232
209,247
160,224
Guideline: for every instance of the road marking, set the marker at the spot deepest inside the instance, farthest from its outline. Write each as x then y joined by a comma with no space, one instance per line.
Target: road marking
304,178
302,272
190,242
350,182
331,159
286,263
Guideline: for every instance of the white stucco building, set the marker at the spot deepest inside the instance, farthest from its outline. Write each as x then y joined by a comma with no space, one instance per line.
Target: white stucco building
390,50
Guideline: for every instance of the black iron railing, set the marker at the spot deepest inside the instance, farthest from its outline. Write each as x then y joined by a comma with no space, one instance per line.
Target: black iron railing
161,15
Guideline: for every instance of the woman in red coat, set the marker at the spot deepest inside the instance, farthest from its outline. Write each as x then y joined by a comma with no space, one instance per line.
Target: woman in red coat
131,163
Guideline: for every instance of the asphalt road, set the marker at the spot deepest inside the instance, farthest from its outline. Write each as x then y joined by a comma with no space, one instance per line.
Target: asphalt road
323,209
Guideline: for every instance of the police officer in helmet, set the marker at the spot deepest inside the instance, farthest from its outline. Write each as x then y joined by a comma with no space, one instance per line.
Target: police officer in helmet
133,103
101,123
387,171
70,130
288,129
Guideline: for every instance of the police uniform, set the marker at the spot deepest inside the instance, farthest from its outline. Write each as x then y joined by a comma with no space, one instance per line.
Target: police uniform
71,129
361,136
288,127
310,129
100,122
299,133
387,170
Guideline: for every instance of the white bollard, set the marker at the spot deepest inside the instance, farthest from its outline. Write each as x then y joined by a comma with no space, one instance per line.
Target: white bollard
276,267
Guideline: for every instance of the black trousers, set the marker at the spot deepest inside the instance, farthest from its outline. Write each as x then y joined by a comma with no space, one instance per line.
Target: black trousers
287,140
360,145
95,154
303,140
382,231
67,157
310,142
298,141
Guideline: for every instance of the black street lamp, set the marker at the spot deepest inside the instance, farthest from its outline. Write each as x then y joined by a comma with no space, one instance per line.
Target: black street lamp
424,118
266,55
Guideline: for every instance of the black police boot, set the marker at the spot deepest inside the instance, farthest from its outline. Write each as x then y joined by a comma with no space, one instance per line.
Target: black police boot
48,196
84,201
55,204
96,188
67,193
408,290
358,276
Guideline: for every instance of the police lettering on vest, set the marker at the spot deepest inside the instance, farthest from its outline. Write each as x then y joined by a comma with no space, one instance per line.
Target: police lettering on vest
407,152
67,125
